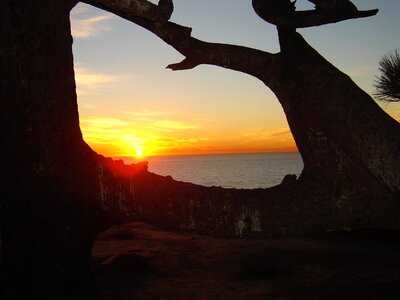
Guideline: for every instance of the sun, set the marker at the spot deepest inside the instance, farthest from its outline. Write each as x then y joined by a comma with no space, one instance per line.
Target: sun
139,153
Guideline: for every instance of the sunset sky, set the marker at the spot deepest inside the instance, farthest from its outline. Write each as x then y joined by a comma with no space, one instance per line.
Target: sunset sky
130,105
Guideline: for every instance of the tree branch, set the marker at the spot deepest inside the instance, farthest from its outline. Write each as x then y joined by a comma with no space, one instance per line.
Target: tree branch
282,13
185,64
145,9
257,63
311,18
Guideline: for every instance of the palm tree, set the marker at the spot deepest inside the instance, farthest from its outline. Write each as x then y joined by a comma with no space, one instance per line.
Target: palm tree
387,84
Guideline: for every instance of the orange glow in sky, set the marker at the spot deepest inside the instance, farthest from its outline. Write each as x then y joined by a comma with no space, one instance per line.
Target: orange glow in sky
132,138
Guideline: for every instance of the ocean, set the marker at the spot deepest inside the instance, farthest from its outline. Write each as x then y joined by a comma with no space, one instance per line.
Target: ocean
261,170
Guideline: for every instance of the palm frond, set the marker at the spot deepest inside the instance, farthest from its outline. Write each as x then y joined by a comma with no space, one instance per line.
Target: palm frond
387,85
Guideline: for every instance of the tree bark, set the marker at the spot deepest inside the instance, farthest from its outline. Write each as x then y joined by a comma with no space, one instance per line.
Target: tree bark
42,149
145,9
51,205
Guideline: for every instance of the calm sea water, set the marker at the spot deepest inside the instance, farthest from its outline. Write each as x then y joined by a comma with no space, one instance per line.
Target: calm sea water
229,170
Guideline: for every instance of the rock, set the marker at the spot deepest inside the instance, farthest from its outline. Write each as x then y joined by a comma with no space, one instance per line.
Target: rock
289,179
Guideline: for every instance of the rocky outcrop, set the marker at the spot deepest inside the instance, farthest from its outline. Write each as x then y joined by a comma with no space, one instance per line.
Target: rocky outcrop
306,205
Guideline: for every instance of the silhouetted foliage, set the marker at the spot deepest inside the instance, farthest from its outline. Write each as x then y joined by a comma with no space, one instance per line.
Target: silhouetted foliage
388,83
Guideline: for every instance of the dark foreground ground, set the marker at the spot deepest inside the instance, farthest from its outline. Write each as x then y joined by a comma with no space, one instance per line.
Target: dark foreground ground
141,261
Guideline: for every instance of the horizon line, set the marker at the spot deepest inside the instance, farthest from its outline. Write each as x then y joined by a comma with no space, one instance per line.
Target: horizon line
202,154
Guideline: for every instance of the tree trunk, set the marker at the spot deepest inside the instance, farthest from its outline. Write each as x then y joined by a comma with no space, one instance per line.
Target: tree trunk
50,212
56,193
346,140
321,102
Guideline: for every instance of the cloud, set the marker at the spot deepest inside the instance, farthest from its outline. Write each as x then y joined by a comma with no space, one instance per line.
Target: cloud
110,136
153,120
88,82
84,25
168,125
278,132
361,71
144,113
103,123
116,137
121,136
274,140
101,130
80,9
259,134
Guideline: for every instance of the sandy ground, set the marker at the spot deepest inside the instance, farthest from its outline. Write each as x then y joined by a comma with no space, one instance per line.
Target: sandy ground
141,261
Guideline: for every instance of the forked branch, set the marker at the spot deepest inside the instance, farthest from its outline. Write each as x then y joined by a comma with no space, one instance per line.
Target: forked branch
283,13
311,18
257,63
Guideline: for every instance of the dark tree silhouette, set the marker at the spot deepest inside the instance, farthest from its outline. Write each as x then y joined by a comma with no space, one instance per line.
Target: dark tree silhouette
388,83
57,194
335,6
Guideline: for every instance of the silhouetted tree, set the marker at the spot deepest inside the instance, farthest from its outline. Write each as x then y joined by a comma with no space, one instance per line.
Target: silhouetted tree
388,83
57,194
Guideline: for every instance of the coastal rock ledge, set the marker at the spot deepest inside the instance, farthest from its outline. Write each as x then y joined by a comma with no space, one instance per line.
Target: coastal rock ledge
297,206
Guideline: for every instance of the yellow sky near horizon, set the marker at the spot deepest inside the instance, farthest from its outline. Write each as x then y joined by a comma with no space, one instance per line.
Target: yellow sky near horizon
155,133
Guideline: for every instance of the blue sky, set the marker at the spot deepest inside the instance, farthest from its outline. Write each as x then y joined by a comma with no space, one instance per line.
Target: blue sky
124,88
